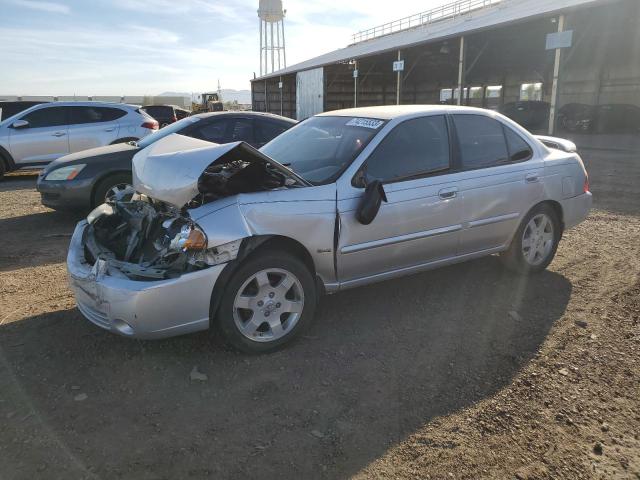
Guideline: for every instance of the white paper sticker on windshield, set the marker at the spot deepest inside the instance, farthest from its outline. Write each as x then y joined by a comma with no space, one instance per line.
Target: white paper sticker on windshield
365,122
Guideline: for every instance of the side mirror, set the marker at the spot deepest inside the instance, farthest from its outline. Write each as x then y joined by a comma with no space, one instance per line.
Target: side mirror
20,124
370,203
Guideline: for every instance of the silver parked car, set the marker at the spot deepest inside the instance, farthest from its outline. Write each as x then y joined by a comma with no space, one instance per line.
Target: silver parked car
248,239
48,131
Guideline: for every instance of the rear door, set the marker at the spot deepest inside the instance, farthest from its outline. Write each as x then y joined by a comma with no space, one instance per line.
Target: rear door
499,181
44,140
93,126
421,221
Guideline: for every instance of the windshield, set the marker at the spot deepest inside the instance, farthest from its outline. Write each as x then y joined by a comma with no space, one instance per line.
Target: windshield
175,127
320,148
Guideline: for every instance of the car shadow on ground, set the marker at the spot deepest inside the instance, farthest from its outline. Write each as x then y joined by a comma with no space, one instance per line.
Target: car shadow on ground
36,239
378,363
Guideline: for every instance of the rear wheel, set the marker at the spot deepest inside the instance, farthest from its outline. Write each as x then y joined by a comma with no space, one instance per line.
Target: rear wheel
3,167
268,302
110,186
535,242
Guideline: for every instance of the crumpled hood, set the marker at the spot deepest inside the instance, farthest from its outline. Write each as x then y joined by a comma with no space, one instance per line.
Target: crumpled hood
169,169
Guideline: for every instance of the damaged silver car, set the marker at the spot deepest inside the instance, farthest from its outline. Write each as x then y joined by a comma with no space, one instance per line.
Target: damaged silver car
248,240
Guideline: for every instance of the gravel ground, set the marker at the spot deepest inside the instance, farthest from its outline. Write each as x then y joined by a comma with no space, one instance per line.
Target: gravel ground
464,372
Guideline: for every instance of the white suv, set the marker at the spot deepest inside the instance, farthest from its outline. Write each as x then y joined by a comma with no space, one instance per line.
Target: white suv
46,132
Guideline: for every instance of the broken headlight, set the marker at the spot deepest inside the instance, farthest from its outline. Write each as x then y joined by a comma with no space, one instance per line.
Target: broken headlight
220,254
189,239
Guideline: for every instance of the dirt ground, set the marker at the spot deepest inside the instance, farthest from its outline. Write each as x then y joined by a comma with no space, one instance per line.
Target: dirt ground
463,372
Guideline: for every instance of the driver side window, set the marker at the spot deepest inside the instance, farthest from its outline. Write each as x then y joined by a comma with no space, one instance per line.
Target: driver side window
416,147
47,117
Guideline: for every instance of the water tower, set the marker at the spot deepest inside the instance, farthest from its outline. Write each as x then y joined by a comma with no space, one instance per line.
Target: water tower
272,52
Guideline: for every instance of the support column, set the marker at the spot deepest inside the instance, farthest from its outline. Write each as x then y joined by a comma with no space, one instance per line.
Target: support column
273,66
355,84
260,22
556,75
266,98
281,86
461,71
398,81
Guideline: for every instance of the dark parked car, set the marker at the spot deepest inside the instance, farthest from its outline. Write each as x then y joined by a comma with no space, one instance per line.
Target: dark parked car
617,118
9,109
576,117
166,114
607,118
84,179
532,115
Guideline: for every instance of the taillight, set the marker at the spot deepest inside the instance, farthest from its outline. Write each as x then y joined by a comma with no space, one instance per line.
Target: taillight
151,125
585,187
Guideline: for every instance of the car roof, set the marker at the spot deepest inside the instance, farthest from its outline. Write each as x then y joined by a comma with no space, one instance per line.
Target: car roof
90,104
246,114
166,105
389,112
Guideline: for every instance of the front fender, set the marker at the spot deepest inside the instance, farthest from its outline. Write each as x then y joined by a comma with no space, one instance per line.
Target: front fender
224,225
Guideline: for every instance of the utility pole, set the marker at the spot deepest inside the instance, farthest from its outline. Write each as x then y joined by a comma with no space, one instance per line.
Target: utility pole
556,75
460,70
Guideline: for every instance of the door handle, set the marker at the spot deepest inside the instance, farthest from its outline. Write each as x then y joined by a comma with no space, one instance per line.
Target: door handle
447,193
531,178
59,134
109,129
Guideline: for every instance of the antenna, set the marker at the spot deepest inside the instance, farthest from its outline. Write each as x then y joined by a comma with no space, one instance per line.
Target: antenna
270,14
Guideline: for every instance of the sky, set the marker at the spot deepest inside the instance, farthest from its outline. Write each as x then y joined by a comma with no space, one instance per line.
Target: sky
136,47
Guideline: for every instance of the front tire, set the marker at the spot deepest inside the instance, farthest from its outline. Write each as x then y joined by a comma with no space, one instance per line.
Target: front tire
268,301
108,185
535,243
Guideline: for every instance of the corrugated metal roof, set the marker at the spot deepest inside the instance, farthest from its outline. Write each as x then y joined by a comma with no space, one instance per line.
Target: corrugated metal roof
508,11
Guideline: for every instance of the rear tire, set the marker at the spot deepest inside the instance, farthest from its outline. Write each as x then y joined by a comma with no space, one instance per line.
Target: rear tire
107,184
3,167
535,242
124,140
268,301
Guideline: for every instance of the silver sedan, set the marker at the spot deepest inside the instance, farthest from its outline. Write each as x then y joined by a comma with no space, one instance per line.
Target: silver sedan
246,240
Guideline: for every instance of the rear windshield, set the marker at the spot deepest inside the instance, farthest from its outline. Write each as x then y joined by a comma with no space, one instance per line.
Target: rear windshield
321,148
175,127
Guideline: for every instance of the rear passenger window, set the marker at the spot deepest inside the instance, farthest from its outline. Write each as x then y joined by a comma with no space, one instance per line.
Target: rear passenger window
82,115
415,147
482,142
519,150
110,114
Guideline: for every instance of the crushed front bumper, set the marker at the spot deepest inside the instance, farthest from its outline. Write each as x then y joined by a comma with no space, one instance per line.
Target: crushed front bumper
139,309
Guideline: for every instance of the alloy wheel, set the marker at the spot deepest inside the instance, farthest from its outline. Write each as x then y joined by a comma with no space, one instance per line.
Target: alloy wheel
268,305
538,239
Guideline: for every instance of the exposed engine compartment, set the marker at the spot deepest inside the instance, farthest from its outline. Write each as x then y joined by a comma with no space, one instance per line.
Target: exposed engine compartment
141,238
147,232
237,176
145,238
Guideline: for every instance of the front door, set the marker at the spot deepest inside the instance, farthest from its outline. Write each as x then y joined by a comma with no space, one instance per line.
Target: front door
44,139
421,221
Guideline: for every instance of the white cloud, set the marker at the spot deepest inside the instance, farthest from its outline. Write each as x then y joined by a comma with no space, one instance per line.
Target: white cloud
51,7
